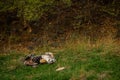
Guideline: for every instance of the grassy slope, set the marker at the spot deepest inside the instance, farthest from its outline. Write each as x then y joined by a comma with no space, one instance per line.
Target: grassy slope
94,64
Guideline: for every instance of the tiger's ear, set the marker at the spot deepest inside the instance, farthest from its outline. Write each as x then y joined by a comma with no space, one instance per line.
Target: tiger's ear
50,53
43,61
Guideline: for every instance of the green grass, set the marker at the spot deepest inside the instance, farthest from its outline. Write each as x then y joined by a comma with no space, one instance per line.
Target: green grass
95,64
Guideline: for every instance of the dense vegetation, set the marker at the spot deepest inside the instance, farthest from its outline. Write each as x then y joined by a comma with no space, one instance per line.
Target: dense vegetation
51,22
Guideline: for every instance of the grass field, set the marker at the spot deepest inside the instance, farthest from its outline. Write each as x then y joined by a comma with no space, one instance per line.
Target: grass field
80,64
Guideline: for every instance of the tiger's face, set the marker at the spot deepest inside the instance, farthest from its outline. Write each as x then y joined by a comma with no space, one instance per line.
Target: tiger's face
49,57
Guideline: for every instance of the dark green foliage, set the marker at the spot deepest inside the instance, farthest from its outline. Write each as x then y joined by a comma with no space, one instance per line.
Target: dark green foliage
47,21
33,10
28,9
